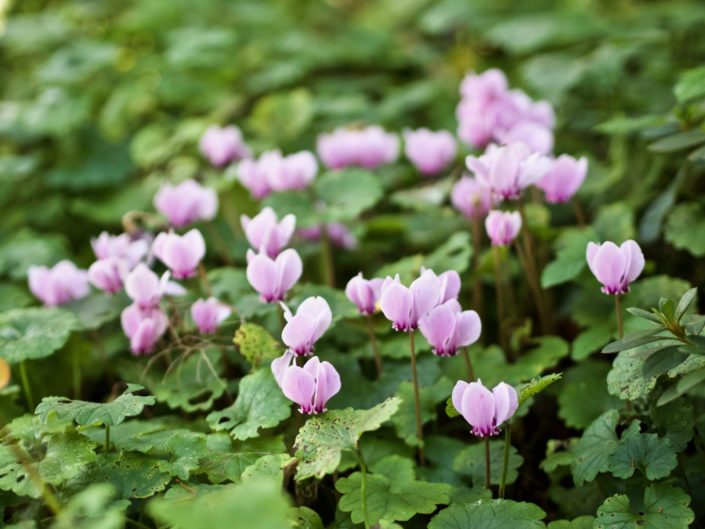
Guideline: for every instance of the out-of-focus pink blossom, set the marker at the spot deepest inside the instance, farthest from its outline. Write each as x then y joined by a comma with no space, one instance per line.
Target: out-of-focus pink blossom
273,278
404,306
143,327
303,330
311,386
181,253
207,314
429,151
483,409
120,246
222,145
448,328
448,284
338,234
109,274
146,289
273,172
60,284
185,203
615,266
563,179
370,147
265,232
502,227
471,198
364,293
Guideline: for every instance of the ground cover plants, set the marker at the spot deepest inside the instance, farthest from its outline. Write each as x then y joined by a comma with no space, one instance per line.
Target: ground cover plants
340,264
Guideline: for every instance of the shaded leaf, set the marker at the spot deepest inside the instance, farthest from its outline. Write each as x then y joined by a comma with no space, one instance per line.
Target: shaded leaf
665,507
31,333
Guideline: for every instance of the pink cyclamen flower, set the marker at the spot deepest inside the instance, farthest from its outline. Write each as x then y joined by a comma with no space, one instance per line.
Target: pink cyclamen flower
370,147
502,227
483,409
274,172
273,278
207,314
223,145
60,284
448,284
265,232
471,198
509,169
146,289
448,328
537,137
303,330
563,179
429,151
364,293
310,386
109,274
615,266
143,327
404,306
121,246
186,202
181,253
338,234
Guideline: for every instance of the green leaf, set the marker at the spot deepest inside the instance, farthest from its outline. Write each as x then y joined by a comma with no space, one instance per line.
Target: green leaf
581,522
405,419
347,193
256,344
26,248
67,455
586,378
282,116
536,385
304,518
595,447
26,334
91,413
664,507
570,257
323,438
490,514
229,461
133,475
590,340
675,422
633,340
97,309
663,360
686,302
683,224
691,85
256,504
615,222
470,461
260,403
393,493
92,508
625,380
678,141
654,457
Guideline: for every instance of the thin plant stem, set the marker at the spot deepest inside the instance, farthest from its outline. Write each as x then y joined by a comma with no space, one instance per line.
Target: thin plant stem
107,438
532,271
76,373
476,229
363,489
26,386
488,478
205,284
499,296
618,310
579,215
327,258
468,364
375,346
505,461
417,399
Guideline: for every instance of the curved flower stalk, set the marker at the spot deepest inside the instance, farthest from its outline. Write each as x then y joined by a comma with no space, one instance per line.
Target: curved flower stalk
60,284
429,151
181,253
186,203
273,278
222,145
310,386
265,232
208,314
305,328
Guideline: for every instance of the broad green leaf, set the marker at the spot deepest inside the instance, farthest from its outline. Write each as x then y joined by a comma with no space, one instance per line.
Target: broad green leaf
282,116
678,141
615,222
683,224
536,385
490,514
347,193
25,249
691,85
582,522
663,360
625,380
392,492
405,419
471,462
97,309
228,462
30,333
570,257
323,438
132,474
92,508
256,344
653,456
91,413
583,396
67,455
304,518
260,403
595,447
675,422
664,507
590,340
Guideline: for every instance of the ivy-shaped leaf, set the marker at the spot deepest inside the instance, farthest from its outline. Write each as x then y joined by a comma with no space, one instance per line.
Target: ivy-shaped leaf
260,403
67,455
90,413
405,419
256,344
393,493
665,507
654,457
471,462
323,438
490,514
30,333
596,446
228,460
347,193
92,508
132,474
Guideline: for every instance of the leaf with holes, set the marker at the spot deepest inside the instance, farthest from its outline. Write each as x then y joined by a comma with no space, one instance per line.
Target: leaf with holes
256,344
653,456
664,507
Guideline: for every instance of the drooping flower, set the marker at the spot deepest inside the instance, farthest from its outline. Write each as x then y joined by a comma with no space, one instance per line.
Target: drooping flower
181,253
404,306
448,328
429,151
369,147
509,169
311,386
338,234
265,232
143,327
502,226
146,289
471,198
185,203
563,179
120,246
364,293
273,278
60,284
615,266
483,409
222,145
274,172
448,284
109,274
281,364
304,329
207,314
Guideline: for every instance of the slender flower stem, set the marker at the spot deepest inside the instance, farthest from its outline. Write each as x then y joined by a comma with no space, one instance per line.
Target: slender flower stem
532,271
618,310
499,297
76,373
488,484
505,461
468,364
476,227
579,215
107,438
417,399
25,385
375,346
327,267
363,488
205,284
